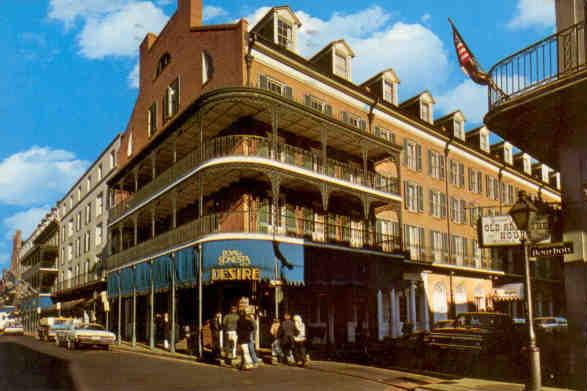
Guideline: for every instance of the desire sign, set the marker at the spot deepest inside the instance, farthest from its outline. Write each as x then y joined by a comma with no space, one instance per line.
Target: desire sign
236,266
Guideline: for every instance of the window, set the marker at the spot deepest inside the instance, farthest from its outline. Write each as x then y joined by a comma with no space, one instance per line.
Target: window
435,165
98,235
77,247
474,214
484,142
70,227
476,253
386,231
412,155
152,119
162,64
384,134
100,172
99,204
89,183
458,211
276,86
475,179
112,159
78,221
491,188
86,242
425,112
413,197
129,145
437,204
284,33
388,91
79,193
459,131
414,241
459,249
340,65
171,99
69,252
353,120
457,173
207,67
88,213
439,246
318,104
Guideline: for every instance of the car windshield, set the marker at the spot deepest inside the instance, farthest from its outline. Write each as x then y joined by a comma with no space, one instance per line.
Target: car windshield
484,321
91,327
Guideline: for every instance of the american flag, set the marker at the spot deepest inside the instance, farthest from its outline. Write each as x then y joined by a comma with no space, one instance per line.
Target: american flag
469,64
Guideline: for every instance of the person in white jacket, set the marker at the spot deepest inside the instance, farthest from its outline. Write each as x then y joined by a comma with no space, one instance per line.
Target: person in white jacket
300,341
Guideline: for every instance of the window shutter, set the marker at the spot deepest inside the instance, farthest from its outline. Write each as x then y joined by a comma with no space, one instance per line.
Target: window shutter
344,116
328,110
405,152
288,92
420,198
487,186
431,202
406,236
307,100
470,172
363,124
441,166
442,205
418,157
461,175
479,182
406,194
430,162
263,82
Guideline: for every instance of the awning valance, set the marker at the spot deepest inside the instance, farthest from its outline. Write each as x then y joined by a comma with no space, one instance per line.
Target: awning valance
509,292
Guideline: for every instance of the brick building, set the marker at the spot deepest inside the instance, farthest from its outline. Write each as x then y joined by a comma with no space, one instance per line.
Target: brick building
303,191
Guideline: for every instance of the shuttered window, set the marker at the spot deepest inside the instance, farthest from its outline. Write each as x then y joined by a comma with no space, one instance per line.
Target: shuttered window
412,155
413,197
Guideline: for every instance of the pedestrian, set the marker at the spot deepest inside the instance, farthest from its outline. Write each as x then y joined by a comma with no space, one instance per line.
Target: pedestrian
229,324
252,340
276,353
244,329
217,334
299,341
287,331
166,331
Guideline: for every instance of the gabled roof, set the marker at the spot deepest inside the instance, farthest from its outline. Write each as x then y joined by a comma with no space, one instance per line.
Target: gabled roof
380,75
417,98
273,10
330,45
450,116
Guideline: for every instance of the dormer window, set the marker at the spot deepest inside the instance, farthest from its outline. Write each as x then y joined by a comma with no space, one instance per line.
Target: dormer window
507,155
527,165
162,64
284,33
340,65
388,91
459,130
425,112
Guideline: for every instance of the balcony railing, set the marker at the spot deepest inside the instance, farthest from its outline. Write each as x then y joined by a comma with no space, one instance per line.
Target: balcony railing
253,146
553,58
428,255
75,282
352,235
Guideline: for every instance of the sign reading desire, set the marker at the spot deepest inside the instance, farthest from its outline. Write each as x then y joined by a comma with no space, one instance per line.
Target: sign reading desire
241,270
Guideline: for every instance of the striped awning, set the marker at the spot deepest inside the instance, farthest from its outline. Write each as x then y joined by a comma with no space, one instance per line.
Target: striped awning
509,292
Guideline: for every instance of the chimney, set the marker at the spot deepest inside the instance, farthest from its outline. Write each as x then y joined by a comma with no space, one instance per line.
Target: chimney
190,11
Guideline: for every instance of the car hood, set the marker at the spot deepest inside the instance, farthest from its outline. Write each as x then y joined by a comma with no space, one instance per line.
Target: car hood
94,333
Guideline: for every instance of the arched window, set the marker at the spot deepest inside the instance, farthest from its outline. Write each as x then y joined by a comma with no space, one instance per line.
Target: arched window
163,62
439,302
461,299
480,298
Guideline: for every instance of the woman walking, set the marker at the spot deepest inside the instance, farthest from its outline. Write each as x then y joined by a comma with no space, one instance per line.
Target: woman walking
299,341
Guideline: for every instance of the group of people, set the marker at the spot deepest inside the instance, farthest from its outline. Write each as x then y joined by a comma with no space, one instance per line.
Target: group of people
289,340
237,330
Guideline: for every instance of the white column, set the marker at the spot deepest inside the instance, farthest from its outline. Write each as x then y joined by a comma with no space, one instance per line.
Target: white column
425,312
413,316
393,318
379,315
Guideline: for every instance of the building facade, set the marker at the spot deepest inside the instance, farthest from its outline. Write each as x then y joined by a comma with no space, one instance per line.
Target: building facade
83,213
247,170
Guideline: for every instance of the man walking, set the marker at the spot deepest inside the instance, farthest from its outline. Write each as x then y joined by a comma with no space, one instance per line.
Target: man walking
287,332
229,325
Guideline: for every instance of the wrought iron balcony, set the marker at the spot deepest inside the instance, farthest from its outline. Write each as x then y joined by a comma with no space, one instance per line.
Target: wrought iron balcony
259,147
75,282
556,57
352,235
429,255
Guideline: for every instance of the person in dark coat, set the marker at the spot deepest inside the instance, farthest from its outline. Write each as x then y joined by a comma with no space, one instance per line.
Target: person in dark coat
287,332
245,326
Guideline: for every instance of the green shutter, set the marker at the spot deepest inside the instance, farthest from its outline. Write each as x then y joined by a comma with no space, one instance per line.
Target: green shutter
328,110
420,198
308,100
418,157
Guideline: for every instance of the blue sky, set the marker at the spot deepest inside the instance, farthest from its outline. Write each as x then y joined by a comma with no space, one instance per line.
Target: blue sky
69,66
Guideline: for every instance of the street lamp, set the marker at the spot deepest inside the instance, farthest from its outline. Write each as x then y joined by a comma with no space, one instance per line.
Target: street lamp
524,213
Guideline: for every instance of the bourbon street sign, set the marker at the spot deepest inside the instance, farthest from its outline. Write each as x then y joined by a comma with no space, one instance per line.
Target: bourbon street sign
236,266
551,250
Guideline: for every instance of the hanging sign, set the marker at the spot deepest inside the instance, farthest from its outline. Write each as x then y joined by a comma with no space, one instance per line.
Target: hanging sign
551,249
501,231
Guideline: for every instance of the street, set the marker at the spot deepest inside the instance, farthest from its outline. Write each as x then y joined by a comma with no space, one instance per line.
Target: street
27,364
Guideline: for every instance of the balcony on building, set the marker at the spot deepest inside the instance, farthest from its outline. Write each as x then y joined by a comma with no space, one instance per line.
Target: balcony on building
540,91
253,162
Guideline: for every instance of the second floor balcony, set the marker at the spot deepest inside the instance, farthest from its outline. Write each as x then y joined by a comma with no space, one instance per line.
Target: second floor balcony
80,281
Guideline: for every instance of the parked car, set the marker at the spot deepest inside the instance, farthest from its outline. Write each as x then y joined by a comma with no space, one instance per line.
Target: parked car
482,332
14,328
444,323
91,334
550,323
48,327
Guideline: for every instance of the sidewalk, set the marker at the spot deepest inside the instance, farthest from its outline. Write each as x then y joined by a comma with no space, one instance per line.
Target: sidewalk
395,379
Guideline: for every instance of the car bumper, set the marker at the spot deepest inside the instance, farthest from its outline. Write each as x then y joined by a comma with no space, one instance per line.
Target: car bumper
93,341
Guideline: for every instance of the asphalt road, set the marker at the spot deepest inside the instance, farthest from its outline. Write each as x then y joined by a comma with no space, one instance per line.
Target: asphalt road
28,364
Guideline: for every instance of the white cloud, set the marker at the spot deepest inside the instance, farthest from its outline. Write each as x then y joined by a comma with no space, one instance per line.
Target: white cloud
469,97
533,13
212,12
412,50
38,175
68,11
133,77
26,221
120,33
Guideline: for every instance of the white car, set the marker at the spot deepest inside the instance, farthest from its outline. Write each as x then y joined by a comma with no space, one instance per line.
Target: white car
14,329
91,334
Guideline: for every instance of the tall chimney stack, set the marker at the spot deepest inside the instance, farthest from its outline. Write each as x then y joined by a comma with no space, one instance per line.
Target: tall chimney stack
190,11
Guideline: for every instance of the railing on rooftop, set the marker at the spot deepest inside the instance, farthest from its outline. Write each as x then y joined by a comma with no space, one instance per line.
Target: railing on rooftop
260,147
553,58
